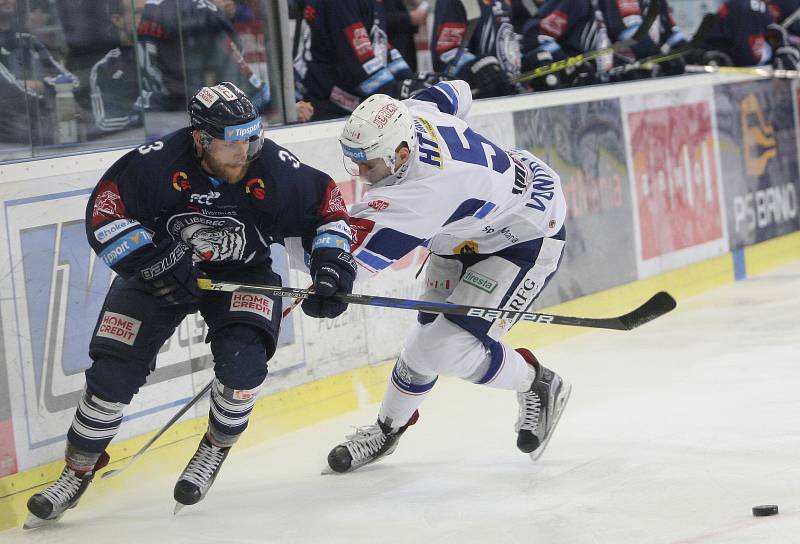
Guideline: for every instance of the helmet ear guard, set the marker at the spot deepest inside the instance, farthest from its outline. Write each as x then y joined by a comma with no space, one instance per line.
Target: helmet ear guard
375,130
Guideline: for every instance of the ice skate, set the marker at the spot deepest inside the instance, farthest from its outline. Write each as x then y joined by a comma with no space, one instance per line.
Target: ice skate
49,505
199,474
540,408
366,445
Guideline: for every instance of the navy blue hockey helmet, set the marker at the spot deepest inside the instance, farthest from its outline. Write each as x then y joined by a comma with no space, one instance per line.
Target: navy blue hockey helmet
224,112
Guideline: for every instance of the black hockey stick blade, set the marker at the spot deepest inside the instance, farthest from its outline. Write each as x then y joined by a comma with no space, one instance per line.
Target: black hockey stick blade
658,305
653,12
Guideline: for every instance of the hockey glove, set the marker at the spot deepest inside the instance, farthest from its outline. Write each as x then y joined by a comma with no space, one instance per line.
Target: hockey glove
170,275
333,271
420,81
488,77
543,57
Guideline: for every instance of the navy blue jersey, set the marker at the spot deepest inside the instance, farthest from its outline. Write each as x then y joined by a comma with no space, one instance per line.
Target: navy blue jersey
345,56
740,32
183,41
494,36
159,191
572,25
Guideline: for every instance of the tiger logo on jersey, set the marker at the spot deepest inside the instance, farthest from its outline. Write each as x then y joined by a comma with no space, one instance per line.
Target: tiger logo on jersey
211,238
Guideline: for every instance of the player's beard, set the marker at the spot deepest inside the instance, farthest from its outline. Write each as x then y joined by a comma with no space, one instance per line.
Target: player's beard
229,172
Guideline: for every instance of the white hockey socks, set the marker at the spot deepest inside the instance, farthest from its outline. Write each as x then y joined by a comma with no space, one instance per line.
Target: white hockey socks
504,368
404,393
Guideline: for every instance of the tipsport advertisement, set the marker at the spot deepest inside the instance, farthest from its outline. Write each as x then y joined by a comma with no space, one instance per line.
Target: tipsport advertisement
756,124
584,144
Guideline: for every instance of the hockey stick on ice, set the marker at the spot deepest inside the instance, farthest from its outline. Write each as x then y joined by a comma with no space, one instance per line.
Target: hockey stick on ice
658,305
200,394
652,13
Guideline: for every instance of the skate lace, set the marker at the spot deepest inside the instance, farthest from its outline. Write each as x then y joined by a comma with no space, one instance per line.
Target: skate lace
202,466
63,489
530,409
365,442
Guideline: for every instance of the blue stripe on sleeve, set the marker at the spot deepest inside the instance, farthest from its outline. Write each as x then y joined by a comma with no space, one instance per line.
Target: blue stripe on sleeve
467,208
392,243
372,260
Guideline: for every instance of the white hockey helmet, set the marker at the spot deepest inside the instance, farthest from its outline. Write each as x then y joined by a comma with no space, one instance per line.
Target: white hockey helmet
375,130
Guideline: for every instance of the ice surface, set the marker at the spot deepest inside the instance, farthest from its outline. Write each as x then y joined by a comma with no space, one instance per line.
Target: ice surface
674,431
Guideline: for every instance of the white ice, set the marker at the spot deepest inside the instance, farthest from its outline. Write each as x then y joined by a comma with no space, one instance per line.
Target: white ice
674,431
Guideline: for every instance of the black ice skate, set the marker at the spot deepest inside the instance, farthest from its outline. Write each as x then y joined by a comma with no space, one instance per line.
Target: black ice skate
540,407
49,505
366,445
199,474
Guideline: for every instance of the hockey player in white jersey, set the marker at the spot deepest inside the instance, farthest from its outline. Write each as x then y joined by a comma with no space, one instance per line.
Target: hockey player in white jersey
494,223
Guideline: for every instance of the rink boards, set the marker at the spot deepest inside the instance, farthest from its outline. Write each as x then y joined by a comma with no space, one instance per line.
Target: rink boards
681,184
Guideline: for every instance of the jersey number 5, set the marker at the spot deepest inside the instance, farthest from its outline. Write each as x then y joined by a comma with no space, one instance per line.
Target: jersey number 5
475,151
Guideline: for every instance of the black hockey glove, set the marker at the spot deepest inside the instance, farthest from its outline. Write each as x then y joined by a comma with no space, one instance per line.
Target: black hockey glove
170,275
541,57
409,87
333,271
487,76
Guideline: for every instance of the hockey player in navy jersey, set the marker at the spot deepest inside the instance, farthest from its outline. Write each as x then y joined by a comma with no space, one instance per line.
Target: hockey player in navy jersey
207,199
746,34
345,56
493,221
489,59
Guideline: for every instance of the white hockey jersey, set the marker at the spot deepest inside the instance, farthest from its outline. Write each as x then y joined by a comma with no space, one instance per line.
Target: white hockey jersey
461,193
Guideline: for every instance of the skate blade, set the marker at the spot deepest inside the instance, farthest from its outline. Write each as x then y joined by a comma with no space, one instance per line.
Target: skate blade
34,522
178,508
535,454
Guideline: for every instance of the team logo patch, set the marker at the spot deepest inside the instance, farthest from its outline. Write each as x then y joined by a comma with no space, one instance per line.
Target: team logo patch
211,238
466,248
334,203
180,181
207,96
450,36
359,40
255,187
121,328
480,281
378,204
253,303
108,204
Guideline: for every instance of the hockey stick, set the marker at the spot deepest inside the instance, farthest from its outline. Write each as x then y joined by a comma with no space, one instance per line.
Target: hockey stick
658,305
200,394
706,25
765,71
652,13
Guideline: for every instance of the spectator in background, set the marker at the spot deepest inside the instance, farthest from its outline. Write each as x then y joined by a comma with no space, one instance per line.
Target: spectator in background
745,35
28,73
88,35
402,24
114,80
491,55
345,56
187,43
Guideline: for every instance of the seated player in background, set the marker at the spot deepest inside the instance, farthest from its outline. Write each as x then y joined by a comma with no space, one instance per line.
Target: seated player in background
490,58
207,199
493,221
